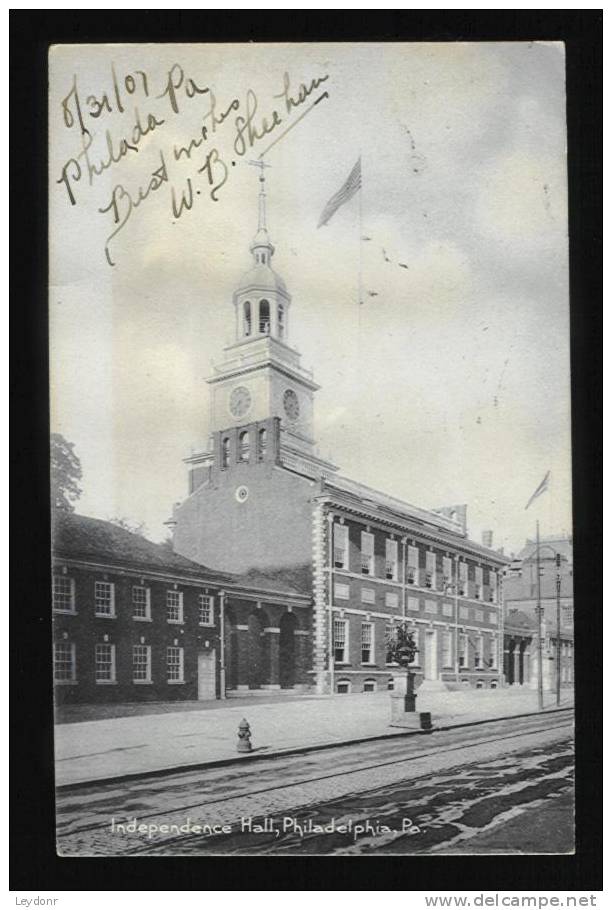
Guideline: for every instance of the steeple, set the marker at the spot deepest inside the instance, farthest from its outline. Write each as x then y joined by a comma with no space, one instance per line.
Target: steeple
261,299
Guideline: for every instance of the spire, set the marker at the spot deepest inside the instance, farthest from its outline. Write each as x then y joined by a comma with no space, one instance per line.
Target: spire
261,247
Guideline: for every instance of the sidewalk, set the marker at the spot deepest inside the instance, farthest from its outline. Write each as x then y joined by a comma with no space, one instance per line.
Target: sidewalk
94,750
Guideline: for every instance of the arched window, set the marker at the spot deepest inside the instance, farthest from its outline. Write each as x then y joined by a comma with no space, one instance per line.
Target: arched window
264,317
247,317
369,685
262,444
225,453
343,686
243,446
281,321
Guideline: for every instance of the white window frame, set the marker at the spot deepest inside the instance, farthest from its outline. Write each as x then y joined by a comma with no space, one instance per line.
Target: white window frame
391,559
464,612
147,603
367,553
431,606
447,609
342,639
112,665
341,546
413,604
341,591
430,569
179,621
391,600
111,586
447,570
181,665
492,586
463,579
368,596
478,582
493,653
72,679
478,616
479,653
211,607
412,565
391,632
147,679
70,594
368,628
447,650
463,655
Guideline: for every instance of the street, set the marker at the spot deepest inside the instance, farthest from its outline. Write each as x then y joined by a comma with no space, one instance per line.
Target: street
499,787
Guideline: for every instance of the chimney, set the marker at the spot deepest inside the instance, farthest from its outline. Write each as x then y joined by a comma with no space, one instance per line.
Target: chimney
487,539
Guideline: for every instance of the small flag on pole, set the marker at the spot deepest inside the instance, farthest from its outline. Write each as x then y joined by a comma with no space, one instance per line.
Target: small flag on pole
347,191
542,488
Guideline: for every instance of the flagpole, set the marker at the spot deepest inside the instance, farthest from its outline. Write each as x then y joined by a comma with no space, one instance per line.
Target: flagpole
539,613
360,289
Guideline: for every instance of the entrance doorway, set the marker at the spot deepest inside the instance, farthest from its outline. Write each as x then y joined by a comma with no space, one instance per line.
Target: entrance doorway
206,675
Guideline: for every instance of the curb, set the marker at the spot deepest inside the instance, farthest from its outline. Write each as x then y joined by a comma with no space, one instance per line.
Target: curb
297,750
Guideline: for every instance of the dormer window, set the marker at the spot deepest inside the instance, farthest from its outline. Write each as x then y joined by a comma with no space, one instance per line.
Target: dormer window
264,317
248,324
281,321
243,446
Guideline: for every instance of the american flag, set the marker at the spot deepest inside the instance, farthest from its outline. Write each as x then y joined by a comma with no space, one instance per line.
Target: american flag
346,192
542,487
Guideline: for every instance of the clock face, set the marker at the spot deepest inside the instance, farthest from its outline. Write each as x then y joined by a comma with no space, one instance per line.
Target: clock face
240,401
291,404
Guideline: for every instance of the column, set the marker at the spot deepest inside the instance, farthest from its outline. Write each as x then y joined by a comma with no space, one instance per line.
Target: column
516,675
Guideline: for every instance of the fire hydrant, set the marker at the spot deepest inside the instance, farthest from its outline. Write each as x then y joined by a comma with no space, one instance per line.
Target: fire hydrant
244,737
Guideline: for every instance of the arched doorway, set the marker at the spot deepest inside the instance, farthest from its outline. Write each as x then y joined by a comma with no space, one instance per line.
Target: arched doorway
286,647
231,651
256,664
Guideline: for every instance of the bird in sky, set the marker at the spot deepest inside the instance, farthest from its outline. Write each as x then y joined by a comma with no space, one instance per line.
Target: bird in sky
373,293
403,265
384,252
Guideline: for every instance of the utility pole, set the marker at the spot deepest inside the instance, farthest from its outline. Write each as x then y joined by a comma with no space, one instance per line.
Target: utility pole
539,612
558,561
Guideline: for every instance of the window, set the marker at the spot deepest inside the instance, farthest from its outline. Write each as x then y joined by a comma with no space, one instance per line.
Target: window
341,592
340,641
367,595
105,663
390,640
390,684
343,687
367,637
64,662
447,649
244,445
369,685
104,596
492,618
281,321
479,684
225,453
391,559
367,553
479,653
447,609
463,651
413,565
478,582
447,570
431,606
248,324
413,603
463,579
174,606
492,586
567,615
174,664
391,600
478,616
63,594
262,444
141,602
340,546
205,610
264,317
141,663
430,569
464,613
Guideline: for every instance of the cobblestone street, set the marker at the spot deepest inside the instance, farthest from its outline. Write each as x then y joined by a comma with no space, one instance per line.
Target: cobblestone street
434,794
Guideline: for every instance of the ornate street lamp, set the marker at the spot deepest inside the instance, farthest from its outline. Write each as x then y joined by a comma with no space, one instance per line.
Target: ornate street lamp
402,649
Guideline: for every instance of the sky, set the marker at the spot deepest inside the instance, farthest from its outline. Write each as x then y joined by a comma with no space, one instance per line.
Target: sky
449,384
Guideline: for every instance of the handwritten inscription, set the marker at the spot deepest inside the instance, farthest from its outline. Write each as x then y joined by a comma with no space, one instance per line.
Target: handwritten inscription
111,124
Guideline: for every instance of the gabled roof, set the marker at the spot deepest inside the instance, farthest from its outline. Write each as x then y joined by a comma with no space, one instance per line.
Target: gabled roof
519,621
549,547
82,537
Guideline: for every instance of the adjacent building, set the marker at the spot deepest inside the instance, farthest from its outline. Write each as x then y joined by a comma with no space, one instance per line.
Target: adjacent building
261,499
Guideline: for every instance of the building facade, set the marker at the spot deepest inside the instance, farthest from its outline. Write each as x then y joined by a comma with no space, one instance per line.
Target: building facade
133,621
521,619
262,499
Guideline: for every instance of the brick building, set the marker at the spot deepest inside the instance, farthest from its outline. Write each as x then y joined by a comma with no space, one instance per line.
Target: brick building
133,621
520,601
262,499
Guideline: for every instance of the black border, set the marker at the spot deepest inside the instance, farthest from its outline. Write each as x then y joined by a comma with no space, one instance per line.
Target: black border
34,865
